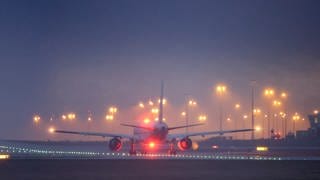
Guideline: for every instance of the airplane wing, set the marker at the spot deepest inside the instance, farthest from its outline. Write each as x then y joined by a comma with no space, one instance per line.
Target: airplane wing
95,134
203,134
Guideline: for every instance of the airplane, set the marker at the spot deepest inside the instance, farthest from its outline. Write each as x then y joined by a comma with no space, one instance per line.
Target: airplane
148,136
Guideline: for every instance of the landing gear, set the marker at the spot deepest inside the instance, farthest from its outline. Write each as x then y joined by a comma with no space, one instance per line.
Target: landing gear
143,152
132,150
172,150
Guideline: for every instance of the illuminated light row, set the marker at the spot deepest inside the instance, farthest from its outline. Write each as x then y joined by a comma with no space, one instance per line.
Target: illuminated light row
164,101
277,103
36,119
166,156
282,114
296,117
262,148
268,92
192,103
257,111
4,156
220,89
154,110
157,119
202,118
113,110
151,103
109,117
70,116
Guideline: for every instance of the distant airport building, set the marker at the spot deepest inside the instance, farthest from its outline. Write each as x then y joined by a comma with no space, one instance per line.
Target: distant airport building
314,120
314,130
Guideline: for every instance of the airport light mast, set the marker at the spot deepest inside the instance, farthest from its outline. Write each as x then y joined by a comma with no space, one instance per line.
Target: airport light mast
220,91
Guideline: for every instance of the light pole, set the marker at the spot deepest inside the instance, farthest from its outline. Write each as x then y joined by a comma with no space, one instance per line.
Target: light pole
276,104
268,93
284,96
252,108
295,118
256,113
36,120
190,103
220,91
237,108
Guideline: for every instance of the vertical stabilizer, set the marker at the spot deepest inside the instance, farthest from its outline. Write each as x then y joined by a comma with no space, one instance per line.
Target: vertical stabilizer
161,104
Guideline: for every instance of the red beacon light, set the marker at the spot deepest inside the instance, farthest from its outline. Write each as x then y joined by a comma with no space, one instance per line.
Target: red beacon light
152,145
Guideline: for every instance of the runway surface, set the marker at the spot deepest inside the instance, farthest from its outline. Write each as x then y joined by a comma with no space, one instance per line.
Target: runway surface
49,150
65,160
158,169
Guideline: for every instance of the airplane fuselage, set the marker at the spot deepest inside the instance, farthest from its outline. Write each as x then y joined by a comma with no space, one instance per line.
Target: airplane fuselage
158,133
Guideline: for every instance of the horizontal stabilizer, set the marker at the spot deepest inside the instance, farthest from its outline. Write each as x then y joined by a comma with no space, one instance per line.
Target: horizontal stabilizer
179,127
135,126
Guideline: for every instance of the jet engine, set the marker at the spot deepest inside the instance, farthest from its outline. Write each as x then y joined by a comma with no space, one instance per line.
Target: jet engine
185,144
115,144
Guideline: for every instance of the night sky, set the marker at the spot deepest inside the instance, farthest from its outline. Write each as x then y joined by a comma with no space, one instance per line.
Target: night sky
59,56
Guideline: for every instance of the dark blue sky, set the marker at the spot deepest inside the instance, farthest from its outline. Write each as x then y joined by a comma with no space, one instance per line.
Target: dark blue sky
58,56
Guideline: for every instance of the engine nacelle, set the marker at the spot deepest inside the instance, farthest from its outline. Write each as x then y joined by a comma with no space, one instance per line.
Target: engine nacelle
185,144
115,144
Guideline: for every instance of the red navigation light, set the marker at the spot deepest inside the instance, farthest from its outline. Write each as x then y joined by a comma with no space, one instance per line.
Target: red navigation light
152,145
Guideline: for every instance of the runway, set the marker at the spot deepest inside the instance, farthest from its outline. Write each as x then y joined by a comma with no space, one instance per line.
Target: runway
157,169
86,160
19,150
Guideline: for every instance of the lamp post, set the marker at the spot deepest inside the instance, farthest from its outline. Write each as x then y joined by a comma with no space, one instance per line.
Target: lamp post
190,103
276,104
252,108
268,93
36,120
237,108
295,118
284,96
220,91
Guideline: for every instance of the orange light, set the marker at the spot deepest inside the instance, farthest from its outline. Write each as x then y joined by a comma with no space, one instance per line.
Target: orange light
36,119
51,130
262,148
4,156
258,128
215,147
152,145
141,105
146,120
